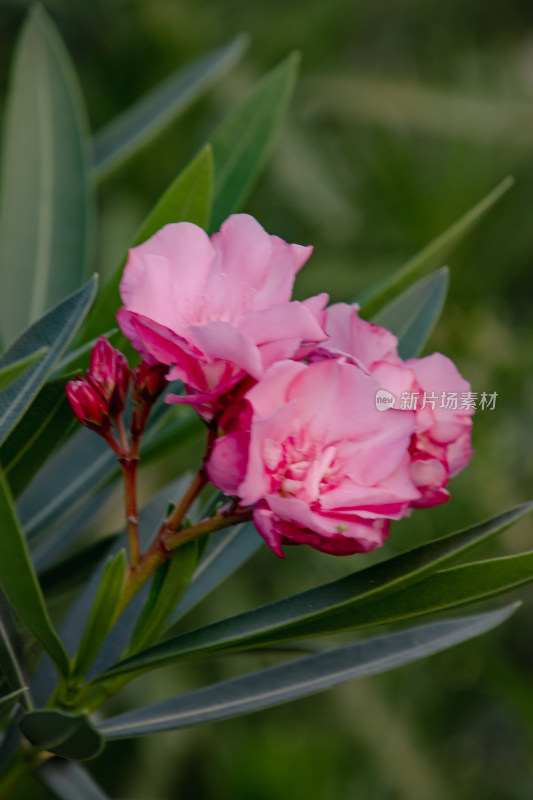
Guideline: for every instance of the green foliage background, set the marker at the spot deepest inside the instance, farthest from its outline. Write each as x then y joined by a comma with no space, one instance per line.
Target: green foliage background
405,114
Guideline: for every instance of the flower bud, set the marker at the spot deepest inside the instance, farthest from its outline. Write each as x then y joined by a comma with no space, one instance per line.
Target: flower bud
109,373
88,406
148,381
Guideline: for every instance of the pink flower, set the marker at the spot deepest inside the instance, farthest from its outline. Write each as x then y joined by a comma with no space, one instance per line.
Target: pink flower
440,447
216,310
318,462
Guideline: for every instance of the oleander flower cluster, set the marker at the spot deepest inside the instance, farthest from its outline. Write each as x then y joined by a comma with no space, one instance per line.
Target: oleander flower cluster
288,389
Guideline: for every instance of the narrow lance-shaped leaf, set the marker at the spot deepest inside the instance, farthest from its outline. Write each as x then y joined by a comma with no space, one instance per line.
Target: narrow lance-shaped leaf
42,428
101,616
241,143
433,255
54,330
10,667
9,700
141,123
224,554
168,585
300,677
68,780
280,620
44,200
187,199
20,585
413,314
10,372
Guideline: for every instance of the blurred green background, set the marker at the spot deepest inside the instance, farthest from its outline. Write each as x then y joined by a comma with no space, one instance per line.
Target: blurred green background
405,115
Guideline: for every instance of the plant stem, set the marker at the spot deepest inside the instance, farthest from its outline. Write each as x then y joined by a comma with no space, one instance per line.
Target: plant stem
129,470
23,763
166,541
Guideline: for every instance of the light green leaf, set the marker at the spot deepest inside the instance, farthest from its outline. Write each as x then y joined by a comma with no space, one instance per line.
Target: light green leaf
67,735
241,143
141,123
168,585
47,421
187,199
284,619
300,677
20,585
101,616
433,255
54,331
44,200
412,315
11,372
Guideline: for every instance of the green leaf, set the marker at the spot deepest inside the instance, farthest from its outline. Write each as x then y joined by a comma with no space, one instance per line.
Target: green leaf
141,123
8,700
101,616
241,143
20,585
67,735
10,372
442,591
224,554
54,330
10,666
47,421
168,585
300,677
433,255
44,200
285,618
68,780
412,315
188,198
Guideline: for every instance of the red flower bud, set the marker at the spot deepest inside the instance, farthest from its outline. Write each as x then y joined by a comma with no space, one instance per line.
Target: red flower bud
148,381
109,373
88,406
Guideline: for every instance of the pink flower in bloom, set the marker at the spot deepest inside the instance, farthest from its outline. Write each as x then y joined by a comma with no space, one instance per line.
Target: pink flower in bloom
218,309
440,447
318,462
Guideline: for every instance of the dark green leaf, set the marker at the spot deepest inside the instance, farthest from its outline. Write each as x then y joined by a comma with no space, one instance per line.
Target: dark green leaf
284,619
19,582
42,428
54,330
141,123
68,780
442,591
413,314
168,585
188,198
225,553
300,677
67,735
241,143
102,613
9,665
44,201
8,700
433,255
12,371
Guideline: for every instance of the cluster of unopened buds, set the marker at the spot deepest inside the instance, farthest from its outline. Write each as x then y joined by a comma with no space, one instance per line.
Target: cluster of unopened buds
287,391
